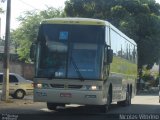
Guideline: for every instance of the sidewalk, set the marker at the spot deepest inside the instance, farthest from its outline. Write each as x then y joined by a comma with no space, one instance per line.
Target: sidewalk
28,100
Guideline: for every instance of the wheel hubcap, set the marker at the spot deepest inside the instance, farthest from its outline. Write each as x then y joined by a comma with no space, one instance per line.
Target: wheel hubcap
19,94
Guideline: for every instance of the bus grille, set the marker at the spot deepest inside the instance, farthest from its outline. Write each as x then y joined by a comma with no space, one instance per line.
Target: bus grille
66,86
75,86
57,85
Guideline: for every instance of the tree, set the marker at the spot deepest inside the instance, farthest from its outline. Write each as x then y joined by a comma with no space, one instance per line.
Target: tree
26,33
1,10
139,19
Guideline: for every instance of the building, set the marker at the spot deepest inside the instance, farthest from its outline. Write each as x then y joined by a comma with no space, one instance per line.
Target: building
16,66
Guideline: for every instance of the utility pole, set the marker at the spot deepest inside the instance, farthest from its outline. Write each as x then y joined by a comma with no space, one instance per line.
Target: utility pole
0,29
159,68
5,90
159,79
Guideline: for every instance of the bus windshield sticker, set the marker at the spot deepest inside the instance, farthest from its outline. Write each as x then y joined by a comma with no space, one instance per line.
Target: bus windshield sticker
63,35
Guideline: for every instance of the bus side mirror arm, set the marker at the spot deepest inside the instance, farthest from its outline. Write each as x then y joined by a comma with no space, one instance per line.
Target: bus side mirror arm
32,51
110,56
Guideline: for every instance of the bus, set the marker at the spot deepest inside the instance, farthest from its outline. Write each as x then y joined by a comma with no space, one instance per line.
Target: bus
83,61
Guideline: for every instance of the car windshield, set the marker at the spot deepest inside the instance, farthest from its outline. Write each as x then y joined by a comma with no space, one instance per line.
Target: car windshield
67,51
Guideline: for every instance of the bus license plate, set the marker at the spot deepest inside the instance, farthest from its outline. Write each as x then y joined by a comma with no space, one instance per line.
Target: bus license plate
66,95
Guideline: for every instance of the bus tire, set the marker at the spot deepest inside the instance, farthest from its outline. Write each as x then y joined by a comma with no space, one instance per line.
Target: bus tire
51,106
105,108
127,101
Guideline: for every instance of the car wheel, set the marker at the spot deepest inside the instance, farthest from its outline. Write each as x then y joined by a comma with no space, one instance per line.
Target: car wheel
19,94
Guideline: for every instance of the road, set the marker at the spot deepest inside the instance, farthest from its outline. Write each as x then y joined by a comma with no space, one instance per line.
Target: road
26,108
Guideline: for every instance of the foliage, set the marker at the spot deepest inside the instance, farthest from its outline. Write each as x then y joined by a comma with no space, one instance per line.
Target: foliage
26,33
147,77
139,19
1,10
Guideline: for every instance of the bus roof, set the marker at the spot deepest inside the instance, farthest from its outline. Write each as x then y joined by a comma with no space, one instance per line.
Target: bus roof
80,21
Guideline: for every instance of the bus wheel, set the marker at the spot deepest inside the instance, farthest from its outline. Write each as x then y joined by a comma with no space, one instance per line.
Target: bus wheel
105,108
51,106
128,98
54,106
127,101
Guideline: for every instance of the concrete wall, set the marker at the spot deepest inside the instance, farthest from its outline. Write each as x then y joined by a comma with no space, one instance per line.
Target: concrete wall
23,69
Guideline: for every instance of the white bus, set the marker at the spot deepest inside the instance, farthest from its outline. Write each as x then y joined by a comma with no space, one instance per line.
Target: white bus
83,61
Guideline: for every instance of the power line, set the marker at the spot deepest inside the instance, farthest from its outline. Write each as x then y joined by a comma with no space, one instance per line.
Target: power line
28,4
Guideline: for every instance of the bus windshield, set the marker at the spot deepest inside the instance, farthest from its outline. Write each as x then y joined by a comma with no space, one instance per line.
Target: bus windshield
70,51
84,61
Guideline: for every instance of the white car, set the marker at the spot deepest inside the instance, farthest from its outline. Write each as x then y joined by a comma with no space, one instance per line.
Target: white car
18,86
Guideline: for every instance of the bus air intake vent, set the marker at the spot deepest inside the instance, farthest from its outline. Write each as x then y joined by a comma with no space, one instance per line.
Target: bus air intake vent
57,85
75,86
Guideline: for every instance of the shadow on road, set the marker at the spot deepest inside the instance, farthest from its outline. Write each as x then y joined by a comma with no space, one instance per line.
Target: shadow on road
115,109
80,113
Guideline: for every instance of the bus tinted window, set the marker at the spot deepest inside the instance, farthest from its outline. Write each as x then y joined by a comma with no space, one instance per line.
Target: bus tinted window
122,47
59,42
124,54
85,58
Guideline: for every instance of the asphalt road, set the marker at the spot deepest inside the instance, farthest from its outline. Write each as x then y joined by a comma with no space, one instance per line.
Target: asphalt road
26,109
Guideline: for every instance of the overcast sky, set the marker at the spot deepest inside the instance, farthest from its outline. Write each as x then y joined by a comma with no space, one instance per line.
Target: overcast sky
19,6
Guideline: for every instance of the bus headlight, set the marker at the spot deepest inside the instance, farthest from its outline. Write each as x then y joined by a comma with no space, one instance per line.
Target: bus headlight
95,87
41,85
92,87
38,85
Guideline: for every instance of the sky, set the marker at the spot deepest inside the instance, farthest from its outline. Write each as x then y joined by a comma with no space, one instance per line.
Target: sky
19,6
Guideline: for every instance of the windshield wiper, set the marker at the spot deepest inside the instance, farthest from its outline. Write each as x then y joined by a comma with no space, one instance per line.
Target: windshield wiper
77,69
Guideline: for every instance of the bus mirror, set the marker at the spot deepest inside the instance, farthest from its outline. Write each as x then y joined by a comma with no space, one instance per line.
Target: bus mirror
110,56
32,51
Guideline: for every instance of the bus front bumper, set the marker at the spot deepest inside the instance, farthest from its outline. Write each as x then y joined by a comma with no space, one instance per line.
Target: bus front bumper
70,96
